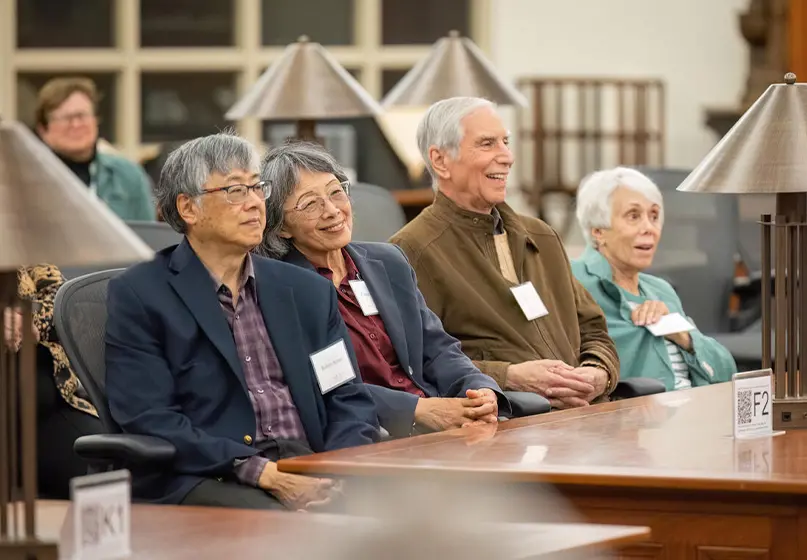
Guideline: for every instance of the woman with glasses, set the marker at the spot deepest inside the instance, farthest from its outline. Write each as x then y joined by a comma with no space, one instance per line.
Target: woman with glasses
66,122
418,376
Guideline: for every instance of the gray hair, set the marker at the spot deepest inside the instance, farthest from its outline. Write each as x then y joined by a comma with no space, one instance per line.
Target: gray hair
188,168
594,196
280,168
441,126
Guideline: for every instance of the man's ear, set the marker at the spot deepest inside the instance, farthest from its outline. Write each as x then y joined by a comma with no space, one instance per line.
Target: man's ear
41,130
189,210
438,160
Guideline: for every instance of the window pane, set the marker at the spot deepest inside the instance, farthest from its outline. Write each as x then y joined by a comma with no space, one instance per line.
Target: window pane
187,23
28,85
389,78
329,22
65,23
416,22
184,105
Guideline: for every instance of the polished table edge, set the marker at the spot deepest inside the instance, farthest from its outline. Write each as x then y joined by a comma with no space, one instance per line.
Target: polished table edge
51,515
356,461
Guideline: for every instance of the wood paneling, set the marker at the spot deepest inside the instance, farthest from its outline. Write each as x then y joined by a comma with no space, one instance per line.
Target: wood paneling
797,38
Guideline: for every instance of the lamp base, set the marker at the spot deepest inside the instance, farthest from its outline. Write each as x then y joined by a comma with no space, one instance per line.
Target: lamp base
28,549
790,414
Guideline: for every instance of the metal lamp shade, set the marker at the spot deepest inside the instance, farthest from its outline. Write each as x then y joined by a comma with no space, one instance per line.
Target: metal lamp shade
455,67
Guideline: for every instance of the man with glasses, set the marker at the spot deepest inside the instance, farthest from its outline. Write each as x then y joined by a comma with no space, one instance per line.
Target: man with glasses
66,121
417,374
236,359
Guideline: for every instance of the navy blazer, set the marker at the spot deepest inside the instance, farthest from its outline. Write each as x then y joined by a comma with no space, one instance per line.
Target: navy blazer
432,358
172,368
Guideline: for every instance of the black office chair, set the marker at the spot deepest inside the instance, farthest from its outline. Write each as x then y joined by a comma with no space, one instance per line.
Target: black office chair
79,317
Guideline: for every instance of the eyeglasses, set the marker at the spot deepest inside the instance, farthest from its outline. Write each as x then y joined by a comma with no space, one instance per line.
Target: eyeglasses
238,194
311,208
80,117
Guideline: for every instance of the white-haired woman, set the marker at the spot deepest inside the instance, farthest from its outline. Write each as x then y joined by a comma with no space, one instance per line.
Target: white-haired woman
621,213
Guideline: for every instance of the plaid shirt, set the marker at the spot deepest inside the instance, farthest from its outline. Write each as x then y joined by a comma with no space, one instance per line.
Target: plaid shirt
276,416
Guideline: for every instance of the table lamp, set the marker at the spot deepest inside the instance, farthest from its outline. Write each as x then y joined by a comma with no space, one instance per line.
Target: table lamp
765,152
305,85
455,67
47,215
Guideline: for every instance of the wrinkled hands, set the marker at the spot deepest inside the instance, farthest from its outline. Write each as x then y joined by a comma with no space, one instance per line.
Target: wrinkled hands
480,406
650,313
563,385
12,328
298,492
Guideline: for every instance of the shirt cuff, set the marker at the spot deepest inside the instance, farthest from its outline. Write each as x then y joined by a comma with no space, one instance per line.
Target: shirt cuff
249,471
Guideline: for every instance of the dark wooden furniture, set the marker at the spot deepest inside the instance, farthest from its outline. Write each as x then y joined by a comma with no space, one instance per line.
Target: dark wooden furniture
414,201
667,461
577,125
197,533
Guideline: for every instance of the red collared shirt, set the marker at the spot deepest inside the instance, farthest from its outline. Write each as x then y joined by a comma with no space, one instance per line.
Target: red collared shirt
378,362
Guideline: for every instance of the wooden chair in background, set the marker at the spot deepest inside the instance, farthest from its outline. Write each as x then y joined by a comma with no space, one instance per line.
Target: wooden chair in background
577,125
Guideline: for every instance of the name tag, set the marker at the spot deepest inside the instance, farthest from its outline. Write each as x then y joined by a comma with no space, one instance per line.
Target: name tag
529,301
365,299
753,409
332,366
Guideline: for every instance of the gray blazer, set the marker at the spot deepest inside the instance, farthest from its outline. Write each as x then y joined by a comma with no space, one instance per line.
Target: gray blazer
432,357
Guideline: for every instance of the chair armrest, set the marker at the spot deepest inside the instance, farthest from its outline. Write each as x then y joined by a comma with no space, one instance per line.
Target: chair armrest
124,449
637,387
523,403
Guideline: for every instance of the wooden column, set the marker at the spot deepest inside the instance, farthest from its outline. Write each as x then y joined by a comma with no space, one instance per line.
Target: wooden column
797,38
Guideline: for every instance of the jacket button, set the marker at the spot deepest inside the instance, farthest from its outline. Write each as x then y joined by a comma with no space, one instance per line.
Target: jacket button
248,439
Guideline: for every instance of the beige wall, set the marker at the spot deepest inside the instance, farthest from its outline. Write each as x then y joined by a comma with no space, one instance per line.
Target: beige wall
693,45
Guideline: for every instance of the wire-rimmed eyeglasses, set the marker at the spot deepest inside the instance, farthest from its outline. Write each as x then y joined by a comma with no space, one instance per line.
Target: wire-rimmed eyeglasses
238,194
313,207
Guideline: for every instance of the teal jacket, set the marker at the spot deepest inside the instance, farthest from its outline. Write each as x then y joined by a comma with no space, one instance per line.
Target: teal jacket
641,354
123,186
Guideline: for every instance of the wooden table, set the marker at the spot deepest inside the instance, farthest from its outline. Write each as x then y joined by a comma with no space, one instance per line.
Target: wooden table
196,533
667,461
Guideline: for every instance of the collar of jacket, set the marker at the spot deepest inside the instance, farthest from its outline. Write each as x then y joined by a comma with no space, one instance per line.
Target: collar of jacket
447,209
596,264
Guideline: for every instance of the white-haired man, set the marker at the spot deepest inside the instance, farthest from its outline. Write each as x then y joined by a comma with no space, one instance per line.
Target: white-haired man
501,282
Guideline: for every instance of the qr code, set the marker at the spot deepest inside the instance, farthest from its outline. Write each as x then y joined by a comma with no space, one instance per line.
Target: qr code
744,407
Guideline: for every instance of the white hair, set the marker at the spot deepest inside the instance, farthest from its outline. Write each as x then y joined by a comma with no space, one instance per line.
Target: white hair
594,196
441,126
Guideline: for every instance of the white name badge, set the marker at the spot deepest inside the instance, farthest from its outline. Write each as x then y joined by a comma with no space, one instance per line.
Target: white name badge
332,366
753,406
365,299
99,516
670,324
529,301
